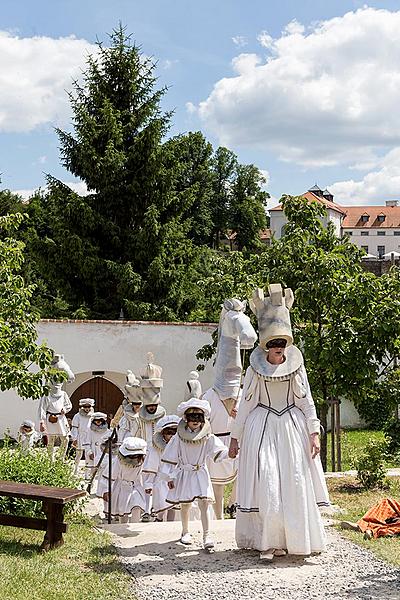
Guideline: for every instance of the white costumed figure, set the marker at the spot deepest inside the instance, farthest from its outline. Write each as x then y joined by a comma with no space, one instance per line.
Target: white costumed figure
53,408
188,453
156,484
235,333
28,436
130,424
151,411
80,428
97,434
280,483
127,492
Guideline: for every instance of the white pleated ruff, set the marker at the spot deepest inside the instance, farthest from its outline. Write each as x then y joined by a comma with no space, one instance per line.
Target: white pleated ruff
279,485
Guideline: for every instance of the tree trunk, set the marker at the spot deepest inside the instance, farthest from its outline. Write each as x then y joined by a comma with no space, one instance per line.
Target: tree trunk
323,417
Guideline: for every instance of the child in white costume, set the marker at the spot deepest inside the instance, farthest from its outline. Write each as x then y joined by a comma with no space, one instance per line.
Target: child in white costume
28,436
188,452
80,428
151,411
127,495
97,433
52,419
153,483
130,425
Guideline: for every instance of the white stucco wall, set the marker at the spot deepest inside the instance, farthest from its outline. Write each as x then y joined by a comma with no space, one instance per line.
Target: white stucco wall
114,347
278,220
373,240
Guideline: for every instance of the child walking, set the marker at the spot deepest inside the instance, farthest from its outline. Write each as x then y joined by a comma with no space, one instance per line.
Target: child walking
188,452
80,428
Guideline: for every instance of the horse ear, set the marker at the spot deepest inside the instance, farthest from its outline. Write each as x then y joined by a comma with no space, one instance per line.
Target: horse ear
289,298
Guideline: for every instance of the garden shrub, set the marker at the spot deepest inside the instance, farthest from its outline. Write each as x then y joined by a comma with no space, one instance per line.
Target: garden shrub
370,465
392,434
35,467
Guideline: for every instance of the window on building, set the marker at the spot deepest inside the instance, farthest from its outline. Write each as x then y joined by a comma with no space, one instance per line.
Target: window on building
365,233
348,233
381,233
396,232
365,248
381,251
381,218
364,218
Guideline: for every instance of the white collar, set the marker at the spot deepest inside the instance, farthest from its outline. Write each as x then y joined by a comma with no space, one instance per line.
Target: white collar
281,372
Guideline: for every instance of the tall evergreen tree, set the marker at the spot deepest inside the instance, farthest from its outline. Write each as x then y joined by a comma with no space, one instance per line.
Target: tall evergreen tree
124,244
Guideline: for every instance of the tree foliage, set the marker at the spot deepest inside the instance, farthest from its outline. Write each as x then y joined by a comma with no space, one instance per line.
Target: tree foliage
25,365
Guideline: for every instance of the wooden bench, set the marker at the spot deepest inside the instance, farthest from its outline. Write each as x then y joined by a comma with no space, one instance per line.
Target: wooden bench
53,500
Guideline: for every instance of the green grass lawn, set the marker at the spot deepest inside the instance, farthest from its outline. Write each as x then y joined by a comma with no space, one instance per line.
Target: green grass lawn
84,568
348,494
353,443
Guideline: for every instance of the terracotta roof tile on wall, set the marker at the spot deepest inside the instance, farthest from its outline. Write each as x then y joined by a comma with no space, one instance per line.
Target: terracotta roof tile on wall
354,213
310,196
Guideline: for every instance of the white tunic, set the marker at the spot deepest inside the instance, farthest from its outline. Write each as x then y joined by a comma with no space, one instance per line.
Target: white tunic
129,426
93,442
225,471
153,480
279,485
54,405
27,441
190,473
80,428
127,490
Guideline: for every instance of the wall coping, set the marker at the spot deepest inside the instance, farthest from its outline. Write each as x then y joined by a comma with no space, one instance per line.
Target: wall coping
127,323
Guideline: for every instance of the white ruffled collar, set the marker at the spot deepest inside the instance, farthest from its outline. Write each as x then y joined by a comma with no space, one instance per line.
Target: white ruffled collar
281,372
193,437
149,418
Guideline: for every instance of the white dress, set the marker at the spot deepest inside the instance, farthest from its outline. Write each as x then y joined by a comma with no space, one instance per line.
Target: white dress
127,490
27,441
152,479
189,461
80,428
129,426
280,486
93,442
53,405
225,471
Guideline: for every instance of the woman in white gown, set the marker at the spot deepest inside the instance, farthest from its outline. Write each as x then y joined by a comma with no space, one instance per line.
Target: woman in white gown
280,481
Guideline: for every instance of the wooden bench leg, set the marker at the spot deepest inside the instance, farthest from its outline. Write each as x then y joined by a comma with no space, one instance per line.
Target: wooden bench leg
53,537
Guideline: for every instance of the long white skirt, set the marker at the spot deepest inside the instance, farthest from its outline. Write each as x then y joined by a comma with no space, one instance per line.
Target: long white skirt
224,471
279,485
126,495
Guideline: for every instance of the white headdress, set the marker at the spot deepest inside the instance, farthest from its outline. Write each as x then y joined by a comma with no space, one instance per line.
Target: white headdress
193,386
133,446
132,387
194,403
28,423
151,382
86,402
273,314
167,421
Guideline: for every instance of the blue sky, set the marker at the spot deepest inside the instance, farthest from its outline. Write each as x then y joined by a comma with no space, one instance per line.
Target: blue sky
307,90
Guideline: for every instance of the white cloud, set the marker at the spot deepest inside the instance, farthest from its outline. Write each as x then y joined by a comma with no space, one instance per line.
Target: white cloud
77,186
168,63
265,39
267,178
191,108
34,74
374,188
323,97
239,40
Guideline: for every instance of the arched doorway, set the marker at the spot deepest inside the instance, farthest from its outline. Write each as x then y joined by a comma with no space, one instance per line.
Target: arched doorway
107,395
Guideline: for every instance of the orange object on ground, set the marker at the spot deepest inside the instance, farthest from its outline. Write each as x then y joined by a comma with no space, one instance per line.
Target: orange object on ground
382,519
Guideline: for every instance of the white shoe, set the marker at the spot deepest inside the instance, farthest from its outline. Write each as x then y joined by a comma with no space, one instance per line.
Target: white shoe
186,539
267,555
208,542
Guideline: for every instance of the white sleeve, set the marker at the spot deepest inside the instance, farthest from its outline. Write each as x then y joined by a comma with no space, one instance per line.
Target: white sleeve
42,408
249,400
67,403
169,459
216,450
75,427
304,400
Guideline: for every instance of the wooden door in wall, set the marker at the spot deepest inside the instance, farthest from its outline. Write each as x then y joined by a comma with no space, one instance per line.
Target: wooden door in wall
107,395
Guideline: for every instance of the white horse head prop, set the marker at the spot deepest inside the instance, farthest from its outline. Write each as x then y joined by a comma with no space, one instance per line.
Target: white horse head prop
235,333
61,364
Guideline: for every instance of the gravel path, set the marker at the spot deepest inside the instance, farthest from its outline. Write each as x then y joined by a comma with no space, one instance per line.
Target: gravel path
165,569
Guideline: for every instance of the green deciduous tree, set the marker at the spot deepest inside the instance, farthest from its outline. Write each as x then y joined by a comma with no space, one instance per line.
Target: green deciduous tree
25,365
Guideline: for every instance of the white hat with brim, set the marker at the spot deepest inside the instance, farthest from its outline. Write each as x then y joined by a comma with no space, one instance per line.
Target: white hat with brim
194,403
167,421
99,415
86,402
28,423
132,446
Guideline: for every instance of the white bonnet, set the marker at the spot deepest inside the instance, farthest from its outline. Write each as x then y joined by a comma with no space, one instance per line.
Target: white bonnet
194,403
